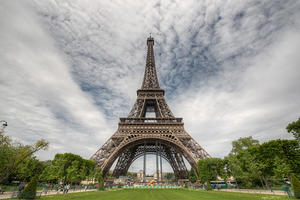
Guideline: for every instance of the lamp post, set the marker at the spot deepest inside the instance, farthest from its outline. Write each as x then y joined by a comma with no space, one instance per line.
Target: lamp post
3,126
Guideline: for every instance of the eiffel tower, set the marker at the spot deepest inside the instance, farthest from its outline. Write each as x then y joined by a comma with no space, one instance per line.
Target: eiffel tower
150,128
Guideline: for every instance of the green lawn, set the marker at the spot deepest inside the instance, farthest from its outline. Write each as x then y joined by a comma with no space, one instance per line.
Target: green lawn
160,194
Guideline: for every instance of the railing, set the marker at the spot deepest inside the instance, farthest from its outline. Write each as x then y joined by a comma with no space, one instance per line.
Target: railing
150,120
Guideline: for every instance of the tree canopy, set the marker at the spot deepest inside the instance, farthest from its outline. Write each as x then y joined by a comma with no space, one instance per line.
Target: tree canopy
294,128
259,164
242,144
13,154
192,176
69,168
210,168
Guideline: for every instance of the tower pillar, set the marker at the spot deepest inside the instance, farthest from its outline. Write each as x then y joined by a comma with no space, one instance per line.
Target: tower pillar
160,156
144,171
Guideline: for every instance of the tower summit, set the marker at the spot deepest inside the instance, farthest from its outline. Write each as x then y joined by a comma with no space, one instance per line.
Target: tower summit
150,77
150,128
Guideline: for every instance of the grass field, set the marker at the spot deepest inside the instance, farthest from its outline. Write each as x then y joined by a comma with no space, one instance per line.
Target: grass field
160,194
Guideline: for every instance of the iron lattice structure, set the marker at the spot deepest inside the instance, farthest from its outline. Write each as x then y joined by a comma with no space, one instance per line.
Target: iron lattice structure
138,134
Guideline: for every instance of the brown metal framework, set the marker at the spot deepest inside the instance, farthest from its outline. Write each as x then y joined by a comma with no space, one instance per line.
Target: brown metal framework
138,134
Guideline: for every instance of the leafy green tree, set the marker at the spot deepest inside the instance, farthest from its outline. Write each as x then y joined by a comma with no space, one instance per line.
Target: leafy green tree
4,139
296,186
29,168
131,174
74,172
169,176
99,178
89,168
245,169
241,164
47,175
258,164
210,168
274,152
192,176
294,128
14,154
208,186
70,168
243,144
108,175
281,168
30,190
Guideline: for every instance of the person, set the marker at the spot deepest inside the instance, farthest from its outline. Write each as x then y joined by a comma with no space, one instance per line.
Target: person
85,187
287,190
1,191
68,187
270,186
65,189
21,187
59,188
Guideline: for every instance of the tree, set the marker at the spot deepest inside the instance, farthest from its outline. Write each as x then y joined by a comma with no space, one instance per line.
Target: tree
13,154
281,168
192,176
210,168
244,168
169,176
99,178
278,156
47,175
208,186
294,128
74,172
296,186
30,190
29,168
70,168
89,169
4,139
260,164
242,144
130,174
242,165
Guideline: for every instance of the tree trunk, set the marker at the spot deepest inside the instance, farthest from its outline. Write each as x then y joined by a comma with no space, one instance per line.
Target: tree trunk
261,181
265,181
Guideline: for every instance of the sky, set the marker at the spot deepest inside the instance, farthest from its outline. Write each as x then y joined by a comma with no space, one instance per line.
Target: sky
70,68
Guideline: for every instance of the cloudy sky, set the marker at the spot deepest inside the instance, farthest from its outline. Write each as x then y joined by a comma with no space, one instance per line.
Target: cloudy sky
70,68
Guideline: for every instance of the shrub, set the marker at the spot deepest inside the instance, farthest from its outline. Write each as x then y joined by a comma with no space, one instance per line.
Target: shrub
185,185
99,177
30,190
208,187
101,185
296,186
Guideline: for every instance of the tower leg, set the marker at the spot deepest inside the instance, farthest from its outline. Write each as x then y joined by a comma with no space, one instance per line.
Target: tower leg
144,171
160,150
157,174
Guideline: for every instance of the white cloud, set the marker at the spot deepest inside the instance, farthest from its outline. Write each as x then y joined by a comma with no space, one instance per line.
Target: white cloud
39,97
260,103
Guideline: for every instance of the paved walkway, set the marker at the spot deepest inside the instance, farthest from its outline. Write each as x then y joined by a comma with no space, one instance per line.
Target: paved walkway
275,192
7,195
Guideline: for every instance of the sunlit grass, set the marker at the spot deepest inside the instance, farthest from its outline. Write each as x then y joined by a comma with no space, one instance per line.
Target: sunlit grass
161,194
